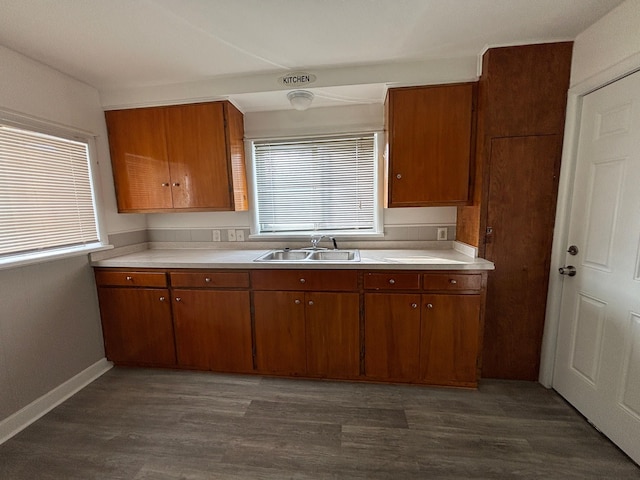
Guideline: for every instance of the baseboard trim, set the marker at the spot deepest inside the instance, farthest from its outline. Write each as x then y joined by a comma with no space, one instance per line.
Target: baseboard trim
24,417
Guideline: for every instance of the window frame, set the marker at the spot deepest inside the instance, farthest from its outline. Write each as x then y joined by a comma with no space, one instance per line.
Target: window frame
24,122
378,189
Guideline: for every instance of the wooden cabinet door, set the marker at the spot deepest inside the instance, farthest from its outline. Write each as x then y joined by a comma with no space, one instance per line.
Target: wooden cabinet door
430,138
279,325
449,339
137,326
196,144
213,329
332,334
139,159
392,336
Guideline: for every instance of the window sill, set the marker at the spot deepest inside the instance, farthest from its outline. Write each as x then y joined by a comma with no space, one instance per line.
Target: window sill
15,261
306,236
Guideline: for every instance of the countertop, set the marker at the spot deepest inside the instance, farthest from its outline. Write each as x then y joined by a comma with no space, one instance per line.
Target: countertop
370,259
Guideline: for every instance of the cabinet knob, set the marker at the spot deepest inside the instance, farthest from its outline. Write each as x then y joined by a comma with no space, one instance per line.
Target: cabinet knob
414,305
296,301
207,279
162,299
452,281
176,184
392,281
178,299
399,176
310,302
129,278
302,280
429,305
165,184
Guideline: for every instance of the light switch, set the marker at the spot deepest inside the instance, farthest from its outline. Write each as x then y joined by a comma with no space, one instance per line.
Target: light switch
231,235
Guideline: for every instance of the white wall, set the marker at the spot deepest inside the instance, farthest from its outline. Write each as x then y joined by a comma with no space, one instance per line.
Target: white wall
612,41
49,319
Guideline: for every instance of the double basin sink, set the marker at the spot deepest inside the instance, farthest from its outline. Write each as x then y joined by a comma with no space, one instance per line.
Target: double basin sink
309,255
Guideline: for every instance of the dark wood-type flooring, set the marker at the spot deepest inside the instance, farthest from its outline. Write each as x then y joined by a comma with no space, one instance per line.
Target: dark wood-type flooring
140,424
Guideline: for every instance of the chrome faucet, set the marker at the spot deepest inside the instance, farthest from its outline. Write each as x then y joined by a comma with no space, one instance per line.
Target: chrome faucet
315,239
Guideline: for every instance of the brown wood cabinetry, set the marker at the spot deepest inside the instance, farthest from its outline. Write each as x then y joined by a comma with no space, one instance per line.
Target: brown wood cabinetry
521,113
429,338
182,157
305,324
405,326
136,319
212,321
430,137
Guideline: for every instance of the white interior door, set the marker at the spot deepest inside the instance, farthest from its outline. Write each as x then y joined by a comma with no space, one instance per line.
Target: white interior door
597,366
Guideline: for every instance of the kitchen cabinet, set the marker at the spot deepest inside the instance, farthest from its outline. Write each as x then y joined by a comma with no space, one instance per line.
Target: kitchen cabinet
521,113
212,321
136,318
432,338
178,158
305,324
430,135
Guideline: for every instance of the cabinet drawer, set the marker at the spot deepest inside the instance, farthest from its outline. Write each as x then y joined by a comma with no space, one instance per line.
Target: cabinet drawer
392,281
323,280
127,278
451,282
210,279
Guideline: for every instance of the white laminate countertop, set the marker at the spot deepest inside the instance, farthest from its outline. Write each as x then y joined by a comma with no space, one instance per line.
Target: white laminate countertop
436,259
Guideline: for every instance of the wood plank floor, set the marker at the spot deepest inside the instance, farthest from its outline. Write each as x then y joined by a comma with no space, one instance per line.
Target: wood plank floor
138,424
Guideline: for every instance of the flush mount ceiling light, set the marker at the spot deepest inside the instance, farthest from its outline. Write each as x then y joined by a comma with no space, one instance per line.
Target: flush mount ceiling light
300,99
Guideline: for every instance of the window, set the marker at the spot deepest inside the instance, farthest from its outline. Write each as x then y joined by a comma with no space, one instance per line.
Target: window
46,197
316,185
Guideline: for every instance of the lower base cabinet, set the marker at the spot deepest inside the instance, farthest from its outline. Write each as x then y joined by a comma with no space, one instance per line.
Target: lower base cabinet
213,330
417,327
137,326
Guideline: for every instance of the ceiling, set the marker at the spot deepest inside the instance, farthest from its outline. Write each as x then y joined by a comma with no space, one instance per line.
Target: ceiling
133,45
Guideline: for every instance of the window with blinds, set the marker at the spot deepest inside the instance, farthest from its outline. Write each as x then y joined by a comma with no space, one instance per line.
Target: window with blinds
46,196
316,184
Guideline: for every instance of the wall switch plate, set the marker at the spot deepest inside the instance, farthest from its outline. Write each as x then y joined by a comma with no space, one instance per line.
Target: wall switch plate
240,235
442,233
231,235
216,235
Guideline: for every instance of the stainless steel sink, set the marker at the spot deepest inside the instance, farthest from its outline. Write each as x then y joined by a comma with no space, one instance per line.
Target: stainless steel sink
336,255
309,256
283,256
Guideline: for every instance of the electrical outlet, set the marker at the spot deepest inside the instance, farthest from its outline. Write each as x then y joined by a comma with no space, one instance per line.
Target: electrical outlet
231,235
240,235
216,235
442,233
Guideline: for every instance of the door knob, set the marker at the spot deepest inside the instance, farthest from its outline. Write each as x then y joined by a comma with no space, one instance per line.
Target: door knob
568,270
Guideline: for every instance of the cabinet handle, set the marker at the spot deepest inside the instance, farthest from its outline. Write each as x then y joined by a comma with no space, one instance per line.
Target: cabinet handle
392,281
302,280
165,184
162,299
414,305
310,302
176,184
399,176
296,301
178,299
452,281
207,279
429,305
129,278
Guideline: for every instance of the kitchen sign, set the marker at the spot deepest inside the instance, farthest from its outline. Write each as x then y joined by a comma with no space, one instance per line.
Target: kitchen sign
297,79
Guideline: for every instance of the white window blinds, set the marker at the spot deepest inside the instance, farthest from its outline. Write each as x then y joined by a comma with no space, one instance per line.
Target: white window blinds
321,184
46,200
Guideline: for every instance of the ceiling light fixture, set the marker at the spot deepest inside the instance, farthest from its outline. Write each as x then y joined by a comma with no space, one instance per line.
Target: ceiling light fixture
300,99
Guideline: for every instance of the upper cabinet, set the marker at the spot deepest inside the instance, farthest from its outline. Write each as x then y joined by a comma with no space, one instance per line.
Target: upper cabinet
178,158
430,134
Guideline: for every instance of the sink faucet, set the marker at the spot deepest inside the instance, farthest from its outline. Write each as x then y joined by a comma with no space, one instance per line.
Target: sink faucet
315,239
